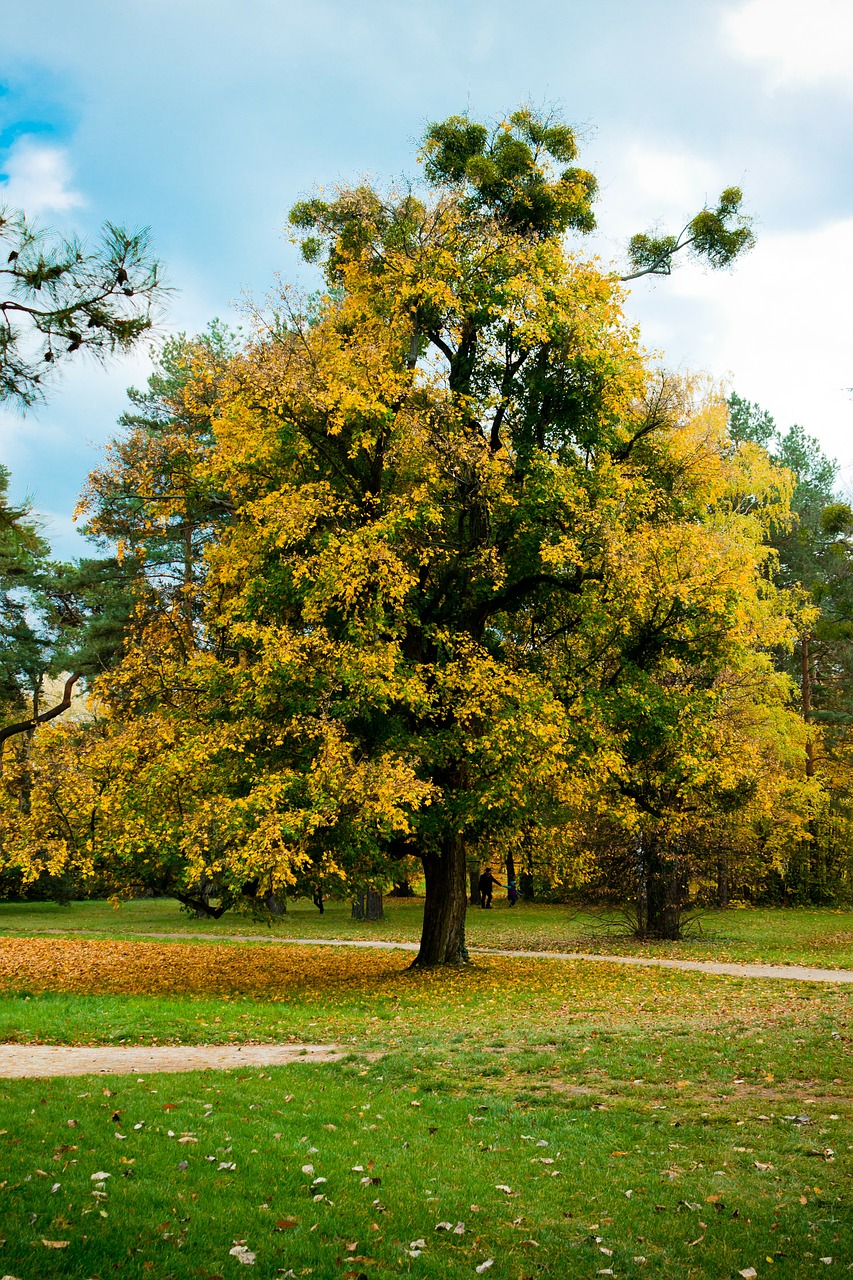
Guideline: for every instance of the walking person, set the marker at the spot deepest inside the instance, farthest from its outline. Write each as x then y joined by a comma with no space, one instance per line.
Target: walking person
486,885
511,892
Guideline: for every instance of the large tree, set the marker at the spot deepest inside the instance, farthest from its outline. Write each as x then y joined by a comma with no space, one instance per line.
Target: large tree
460,520
445,478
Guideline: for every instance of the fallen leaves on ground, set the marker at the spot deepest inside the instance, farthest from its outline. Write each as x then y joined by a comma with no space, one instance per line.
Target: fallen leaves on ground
147,968
326,977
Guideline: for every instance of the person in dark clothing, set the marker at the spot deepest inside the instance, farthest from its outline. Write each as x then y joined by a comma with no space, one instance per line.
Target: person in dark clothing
512,892
486,884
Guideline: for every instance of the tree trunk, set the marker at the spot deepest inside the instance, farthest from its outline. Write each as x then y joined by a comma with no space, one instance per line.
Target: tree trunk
201,910
723,878
368,906
661,889
443,933
474,886
510,870
402,889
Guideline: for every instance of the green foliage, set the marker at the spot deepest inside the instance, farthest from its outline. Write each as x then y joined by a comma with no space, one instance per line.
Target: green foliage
62,297
508,172
814,555
25,642
719,235
150,499
749,422
714,236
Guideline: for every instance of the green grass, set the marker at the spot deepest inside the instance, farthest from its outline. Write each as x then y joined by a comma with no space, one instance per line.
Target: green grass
811,936
699,1205
677,1087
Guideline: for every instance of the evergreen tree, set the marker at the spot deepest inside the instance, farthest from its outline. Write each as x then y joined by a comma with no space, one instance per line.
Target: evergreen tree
61,297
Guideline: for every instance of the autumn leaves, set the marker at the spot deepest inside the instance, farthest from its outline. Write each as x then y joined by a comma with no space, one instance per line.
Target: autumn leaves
435,567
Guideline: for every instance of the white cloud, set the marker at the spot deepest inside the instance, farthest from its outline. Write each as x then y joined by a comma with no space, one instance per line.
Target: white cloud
801,42
651,185
779,325
667,179
39,179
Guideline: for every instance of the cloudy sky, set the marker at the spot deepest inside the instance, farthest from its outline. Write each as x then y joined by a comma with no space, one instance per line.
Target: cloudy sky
206,119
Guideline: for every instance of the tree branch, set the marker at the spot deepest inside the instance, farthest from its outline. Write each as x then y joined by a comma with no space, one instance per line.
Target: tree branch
26,726
199,905
662,266
512,597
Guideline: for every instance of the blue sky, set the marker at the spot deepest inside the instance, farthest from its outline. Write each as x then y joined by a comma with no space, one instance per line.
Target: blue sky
206,119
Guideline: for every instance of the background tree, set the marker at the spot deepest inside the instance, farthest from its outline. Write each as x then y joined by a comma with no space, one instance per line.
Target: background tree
815,555
152,499
61,297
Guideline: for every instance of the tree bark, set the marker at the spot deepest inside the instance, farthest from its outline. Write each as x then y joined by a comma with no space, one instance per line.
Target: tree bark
204,894
443,933
200,907
368,906
661,889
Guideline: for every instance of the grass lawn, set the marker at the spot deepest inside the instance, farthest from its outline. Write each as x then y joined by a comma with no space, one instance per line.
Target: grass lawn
577,1120
820,936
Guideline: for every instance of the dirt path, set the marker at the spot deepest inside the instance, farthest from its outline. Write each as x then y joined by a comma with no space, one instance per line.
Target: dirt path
790,972
32,1061
795,972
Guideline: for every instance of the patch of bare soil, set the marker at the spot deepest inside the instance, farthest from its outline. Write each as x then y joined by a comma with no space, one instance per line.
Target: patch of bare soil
33,1061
